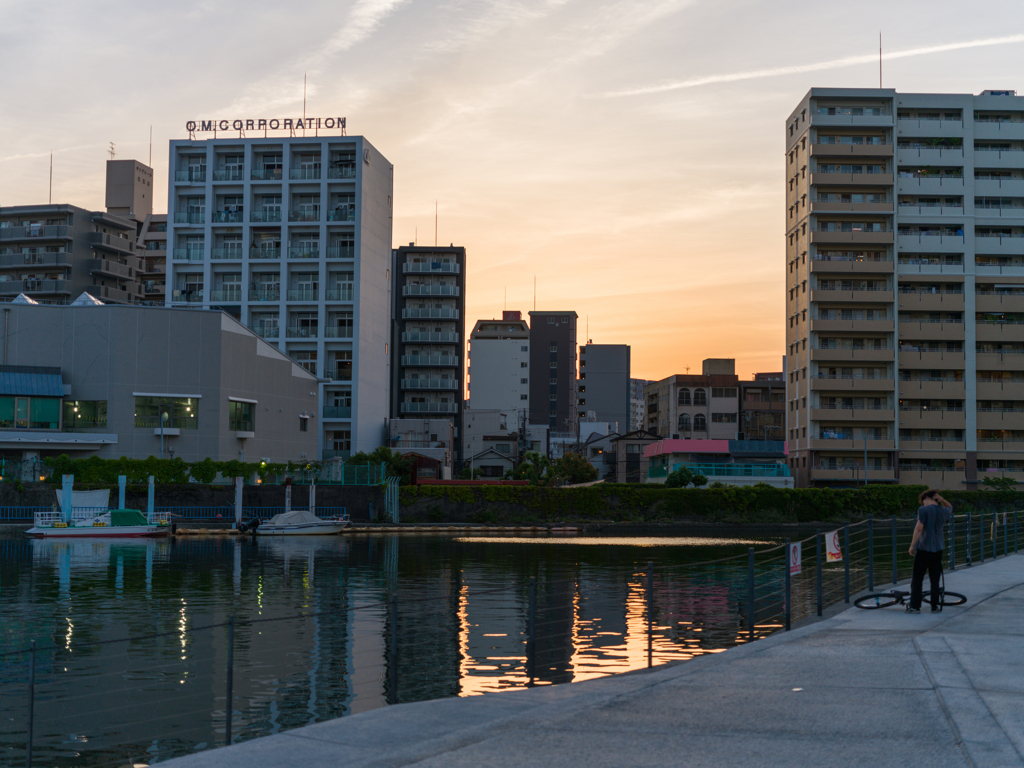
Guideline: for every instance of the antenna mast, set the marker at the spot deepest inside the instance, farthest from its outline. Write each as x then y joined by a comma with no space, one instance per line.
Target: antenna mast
879,59
534,293
435,223
303,103
51,178
111,150
151,146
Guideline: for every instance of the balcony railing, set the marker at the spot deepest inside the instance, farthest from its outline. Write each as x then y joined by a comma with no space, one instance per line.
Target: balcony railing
430,290
265,330
338,331
262,252
188,295
227,253
341,172
307,214
430,408
266,174
342,213
112,242
49,231
195,175
190,217
226,294
308,173
339,294
430,360
266,215
35,286
112,268
341,252
434,337
442,313
302,332
304,252
187,254
443,267
303,294
727,470
228,217
227,174
447,384
337,412
264,294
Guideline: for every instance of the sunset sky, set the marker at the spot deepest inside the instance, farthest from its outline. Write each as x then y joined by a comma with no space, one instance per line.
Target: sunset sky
628,154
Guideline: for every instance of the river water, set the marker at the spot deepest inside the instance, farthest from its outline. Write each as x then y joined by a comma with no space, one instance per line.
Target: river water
316,635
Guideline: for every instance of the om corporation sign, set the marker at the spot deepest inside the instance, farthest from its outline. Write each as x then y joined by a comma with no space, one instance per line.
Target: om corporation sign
275,124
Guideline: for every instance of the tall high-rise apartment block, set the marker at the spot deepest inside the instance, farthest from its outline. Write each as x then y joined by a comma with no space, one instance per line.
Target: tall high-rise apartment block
553,371
292,236
905,287
429,329
499,365
603,386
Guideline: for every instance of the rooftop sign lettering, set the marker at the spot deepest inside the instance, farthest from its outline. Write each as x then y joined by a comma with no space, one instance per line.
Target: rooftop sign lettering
287,124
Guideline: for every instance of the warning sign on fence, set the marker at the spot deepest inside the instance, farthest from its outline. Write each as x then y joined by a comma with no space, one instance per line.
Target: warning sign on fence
795,558
833,551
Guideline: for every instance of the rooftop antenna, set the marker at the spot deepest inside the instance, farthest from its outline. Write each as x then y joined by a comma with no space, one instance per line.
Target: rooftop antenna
534,293
416,236
505,305
51,178
435,223
879,59
151,146
111,150
303,103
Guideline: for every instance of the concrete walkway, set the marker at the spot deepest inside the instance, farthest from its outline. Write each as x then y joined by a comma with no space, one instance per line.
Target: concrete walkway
878,688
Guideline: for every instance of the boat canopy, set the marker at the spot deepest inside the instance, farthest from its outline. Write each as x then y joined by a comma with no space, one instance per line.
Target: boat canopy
295,517
127,517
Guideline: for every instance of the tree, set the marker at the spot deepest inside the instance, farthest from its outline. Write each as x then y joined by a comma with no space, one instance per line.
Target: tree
573,468
681,478
469,474
999,483
699,480
531,469
396,465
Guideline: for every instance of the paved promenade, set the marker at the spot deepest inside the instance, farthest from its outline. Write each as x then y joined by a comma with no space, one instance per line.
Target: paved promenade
878,688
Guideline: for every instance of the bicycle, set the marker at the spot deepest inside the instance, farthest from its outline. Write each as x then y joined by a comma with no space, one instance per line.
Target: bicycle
900,597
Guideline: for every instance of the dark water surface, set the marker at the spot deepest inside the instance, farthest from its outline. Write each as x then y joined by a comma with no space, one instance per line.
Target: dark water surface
462,618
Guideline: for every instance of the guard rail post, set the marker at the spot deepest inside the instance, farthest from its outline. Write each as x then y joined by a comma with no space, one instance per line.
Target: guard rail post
967,542
228,707
817,554
871,553
750,593
981,536
952,542
895,574
393,693
531,641
846,563
650,614
31,704
789,607
1006,540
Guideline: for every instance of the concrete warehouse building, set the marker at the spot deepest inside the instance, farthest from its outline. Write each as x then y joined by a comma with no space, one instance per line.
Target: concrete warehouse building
292,237
905,287
94,380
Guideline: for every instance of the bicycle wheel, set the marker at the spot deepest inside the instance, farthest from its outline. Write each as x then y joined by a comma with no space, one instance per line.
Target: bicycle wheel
946,598
879,600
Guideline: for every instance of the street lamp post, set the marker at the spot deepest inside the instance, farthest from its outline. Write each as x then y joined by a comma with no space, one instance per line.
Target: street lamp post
163,418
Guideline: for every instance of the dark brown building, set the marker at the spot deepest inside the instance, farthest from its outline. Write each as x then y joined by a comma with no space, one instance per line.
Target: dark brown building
553,370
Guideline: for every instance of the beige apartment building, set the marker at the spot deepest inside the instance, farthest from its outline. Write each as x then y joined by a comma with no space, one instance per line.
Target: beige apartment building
905,287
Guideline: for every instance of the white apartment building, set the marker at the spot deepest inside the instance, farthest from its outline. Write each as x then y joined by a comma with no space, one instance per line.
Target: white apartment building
637,412
905,287
499,365
292,236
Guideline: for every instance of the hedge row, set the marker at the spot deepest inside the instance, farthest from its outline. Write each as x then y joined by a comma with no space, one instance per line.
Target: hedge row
96,471
655,503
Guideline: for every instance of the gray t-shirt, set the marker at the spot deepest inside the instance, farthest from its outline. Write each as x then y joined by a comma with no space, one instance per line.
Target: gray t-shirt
933,518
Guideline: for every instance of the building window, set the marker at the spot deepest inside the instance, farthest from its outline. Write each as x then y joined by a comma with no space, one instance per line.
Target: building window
700,423
303,424
84,414
524,349
684,397
342,440
554,365
723,392
723,418
684,422
177,412
30,412
523,365
524,381
524,397
699,398
241,416
503,448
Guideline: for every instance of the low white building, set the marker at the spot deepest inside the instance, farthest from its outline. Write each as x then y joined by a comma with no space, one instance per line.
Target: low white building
499,364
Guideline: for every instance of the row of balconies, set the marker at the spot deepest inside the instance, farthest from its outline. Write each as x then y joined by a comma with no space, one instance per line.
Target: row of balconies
198,174
433,313
429,407
272,330
433,384
37,232
20,260
274,294
432,361
267,215
926,388
260,252
430,290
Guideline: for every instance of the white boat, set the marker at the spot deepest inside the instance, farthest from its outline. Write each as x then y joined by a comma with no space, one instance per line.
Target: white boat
114,523
301,522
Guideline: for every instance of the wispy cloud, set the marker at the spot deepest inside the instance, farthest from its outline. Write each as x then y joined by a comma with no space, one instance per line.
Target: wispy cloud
365,17
36,155
801,68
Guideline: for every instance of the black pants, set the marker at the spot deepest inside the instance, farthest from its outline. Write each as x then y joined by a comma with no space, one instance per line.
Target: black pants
932,563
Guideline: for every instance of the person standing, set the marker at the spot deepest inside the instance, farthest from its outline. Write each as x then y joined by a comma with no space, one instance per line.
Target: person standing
926,547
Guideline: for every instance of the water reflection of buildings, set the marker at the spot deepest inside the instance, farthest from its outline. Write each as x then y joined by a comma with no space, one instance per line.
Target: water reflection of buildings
463,611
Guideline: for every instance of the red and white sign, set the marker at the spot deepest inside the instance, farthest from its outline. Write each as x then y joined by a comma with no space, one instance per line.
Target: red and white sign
795,558
833,551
